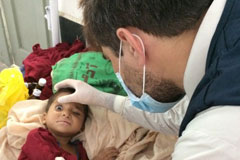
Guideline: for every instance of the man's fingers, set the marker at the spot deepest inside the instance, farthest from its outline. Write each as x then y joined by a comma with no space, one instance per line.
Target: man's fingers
67,98
64,84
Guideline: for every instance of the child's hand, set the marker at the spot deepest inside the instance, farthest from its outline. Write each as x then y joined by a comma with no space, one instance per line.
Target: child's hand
109,153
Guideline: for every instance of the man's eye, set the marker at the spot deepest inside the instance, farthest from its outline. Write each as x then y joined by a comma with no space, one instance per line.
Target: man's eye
58,107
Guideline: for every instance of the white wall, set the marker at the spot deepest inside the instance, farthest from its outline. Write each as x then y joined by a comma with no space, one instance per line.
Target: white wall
70,10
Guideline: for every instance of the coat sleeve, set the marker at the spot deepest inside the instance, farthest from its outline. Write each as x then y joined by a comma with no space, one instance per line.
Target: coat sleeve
168,122
212,135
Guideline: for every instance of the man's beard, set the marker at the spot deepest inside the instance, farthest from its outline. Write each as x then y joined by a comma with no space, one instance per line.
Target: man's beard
159,89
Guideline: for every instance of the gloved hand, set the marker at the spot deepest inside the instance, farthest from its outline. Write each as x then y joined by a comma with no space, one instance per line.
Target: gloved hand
84,94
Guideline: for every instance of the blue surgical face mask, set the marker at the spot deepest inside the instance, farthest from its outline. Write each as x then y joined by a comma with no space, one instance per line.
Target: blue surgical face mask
145,102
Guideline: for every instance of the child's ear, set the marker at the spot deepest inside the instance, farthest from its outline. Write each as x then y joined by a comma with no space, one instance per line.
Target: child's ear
82,129
44,118
83,126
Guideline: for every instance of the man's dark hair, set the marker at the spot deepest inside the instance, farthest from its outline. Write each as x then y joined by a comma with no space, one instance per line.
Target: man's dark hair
66,90
156,17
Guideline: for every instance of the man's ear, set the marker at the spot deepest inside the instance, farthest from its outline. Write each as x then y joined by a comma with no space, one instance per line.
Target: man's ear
136,48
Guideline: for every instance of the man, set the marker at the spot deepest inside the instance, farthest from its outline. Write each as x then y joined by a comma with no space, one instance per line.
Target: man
165,49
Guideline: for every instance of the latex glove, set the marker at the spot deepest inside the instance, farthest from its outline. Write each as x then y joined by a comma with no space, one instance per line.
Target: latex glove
84,94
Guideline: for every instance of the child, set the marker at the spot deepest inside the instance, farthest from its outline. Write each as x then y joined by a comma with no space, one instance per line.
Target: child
63,122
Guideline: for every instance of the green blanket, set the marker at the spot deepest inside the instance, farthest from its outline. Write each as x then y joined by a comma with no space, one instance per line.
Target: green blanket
90,67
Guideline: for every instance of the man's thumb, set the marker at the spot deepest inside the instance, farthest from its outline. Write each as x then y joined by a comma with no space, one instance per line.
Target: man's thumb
66,99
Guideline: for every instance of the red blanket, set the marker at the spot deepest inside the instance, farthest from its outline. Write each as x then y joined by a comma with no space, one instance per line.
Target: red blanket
38,64
41,145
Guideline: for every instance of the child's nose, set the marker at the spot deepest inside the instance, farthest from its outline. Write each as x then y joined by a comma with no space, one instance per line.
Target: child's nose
66,113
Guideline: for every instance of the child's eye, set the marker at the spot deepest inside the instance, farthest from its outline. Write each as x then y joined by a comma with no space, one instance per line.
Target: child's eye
76,113
58,107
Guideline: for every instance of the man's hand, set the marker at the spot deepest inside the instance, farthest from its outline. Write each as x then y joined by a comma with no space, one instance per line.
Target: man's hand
85,94
109,153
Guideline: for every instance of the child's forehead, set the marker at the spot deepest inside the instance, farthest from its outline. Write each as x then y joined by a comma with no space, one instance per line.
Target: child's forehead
71,104
78,106
62,94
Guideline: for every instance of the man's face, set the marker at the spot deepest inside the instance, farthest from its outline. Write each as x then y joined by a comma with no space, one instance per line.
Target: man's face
161,89
160,73
65,119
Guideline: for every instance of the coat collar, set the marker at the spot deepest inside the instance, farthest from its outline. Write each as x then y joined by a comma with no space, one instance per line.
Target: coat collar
196,64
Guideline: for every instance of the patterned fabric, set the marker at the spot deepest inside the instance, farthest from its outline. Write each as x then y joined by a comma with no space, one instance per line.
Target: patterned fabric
90,67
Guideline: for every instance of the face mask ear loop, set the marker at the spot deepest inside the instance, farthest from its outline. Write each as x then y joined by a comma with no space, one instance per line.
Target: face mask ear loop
119,58
144,67
144,72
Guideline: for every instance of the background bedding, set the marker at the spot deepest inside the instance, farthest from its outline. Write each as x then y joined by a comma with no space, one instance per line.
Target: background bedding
103,128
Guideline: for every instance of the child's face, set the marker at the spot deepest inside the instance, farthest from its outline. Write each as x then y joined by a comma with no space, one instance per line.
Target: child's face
64,119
